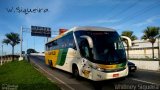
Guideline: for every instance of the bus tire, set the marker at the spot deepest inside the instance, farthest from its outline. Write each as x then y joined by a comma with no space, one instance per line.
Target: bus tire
50,63
75,72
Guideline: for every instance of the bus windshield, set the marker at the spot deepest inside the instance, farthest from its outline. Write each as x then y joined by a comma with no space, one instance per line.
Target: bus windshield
107,46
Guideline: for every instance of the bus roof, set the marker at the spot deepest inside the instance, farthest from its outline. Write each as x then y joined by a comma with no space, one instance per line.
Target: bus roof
80,28
92,28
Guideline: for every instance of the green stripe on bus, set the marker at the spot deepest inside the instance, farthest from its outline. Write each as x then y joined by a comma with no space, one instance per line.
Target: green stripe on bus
62,56
121,65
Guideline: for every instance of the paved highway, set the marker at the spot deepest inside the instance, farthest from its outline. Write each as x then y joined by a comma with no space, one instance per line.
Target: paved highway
141,79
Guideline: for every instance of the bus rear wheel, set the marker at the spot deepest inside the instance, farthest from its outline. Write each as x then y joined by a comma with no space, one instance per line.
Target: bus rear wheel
50,63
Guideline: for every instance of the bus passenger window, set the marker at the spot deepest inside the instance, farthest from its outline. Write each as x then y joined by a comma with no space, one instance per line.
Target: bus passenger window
84,49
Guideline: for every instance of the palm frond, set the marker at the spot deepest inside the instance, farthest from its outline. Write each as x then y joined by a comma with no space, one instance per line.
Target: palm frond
150,33
13,38
6,41
129,34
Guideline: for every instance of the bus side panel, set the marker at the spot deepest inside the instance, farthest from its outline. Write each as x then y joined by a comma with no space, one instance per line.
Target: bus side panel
62,57
69,59
46,57
51,55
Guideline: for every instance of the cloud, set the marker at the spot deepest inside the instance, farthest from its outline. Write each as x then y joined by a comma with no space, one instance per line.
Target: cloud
107,21
147,21
101,2
89,22
101,21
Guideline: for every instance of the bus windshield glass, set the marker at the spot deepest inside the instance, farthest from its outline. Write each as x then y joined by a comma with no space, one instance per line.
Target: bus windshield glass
107,46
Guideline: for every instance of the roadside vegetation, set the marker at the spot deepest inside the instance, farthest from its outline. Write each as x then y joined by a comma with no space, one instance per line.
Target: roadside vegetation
24,76
149,34
12,39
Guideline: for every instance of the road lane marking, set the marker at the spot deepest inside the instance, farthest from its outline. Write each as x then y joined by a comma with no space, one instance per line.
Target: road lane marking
55,77
144,81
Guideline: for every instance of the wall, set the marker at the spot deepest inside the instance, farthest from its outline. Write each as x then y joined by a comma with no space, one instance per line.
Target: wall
148,65
143,53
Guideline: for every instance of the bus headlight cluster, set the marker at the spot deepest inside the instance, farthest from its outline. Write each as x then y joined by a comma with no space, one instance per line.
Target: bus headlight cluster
97,68
100,69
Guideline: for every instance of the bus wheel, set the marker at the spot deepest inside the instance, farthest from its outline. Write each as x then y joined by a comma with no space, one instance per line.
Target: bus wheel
50,63
76,72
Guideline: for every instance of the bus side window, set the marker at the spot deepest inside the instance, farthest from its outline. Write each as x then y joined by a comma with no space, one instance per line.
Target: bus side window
60,43
46,47
84,49
74,45
49,46
54,44
69,41
66,41
63,40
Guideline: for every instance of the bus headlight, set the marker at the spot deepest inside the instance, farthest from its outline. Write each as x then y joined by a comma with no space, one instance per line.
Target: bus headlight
97,68
100,69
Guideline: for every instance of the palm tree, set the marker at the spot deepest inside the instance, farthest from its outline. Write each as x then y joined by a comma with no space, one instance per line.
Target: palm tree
12,39
150,33
131,36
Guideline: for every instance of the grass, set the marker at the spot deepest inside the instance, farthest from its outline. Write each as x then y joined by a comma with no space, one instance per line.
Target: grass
25,76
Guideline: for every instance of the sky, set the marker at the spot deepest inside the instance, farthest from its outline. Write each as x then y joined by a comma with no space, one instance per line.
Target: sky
121,15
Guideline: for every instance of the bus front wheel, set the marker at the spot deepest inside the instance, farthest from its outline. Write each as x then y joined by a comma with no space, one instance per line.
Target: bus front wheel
75,72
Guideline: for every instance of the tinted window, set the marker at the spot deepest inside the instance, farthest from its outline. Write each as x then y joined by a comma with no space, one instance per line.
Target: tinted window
108,47
66,41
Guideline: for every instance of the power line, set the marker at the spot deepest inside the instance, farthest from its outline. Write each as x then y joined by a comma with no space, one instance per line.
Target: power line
140,12
115,7
125,9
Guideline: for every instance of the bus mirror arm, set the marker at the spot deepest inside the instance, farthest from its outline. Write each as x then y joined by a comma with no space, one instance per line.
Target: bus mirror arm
128,39
89,39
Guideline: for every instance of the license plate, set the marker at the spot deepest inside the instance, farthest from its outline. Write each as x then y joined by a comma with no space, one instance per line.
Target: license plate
115,75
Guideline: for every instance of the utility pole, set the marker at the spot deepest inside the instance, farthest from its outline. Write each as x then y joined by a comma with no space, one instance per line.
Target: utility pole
21,37
159,45
21,41
2,55
1,52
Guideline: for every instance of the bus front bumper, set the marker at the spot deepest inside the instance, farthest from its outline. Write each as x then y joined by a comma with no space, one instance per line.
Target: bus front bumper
99,75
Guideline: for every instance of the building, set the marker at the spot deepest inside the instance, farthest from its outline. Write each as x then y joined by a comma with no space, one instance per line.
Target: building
143,49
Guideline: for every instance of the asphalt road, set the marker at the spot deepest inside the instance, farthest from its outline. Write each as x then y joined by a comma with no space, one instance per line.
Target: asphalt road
139,80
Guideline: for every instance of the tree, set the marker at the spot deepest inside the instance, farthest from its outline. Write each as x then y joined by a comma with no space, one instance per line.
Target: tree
131,36
149,34
12,39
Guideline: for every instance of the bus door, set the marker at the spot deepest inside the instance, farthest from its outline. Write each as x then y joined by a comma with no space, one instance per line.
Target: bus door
86,55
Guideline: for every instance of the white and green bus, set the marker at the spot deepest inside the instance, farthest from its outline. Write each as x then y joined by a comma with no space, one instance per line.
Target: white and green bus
96,53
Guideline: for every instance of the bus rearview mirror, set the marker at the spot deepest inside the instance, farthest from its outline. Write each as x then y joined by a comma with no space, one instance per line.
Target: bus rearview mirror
89,39
128,39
